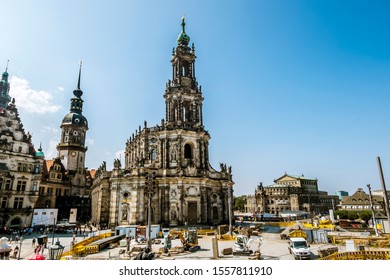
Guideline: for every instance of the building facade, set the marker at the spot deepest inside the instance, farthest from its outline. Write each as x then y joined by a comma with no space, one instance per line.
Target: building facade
292,193
361,201
166,166
20,165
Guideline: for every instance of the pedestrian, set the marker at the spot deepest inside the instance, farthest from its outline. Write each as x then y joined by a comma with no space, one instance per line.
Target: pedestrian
43,248
17,238
16,250
38,249
33,242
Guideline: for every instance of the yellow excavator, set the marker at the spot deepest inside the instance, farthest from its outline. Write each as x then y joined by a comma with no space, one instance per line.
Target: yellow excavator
189,239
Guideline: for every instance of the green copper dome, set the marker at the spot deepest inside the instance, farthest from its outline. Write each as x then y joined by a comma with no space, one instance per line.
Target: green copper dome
40,153
183,38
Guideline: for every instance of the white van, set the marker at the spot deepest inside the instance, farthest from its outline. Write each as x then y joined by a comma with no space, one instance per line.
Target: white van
299,248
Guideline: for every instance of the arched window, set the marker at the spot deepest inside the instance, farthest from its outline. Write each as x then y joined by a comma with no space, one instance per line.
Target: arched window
187,151
153,154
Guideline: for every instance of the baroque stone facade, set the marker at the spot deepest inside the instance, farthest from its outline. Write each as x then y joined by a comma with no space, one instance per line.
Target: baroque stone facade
20,165
185,188
291,193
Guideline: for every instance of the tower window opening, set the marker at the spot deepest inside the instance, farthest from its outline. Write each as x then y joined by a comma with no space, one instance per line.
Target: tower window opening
187,151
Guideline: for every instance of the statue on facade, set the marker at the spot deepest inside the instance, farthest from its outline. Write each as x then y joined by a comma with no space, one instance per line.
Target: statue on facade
117,164
124,212
223,167
174,151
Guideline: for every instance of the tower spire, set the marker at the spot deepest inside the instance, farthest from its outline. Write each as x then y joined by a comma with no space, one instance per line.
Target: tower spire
78,84
4,89
183,38
78,92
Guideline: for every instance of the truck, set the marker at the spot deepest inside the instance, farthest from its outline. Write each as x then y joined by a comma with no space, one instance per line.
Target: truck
299,248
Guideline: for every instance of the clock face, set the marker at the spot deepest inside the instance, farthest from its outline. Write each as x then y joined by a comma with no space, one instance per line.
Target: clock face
73,154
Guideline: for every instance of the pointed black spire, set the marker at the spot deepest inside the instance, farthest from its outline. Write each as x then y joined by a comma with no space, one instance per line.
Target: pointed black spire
78,92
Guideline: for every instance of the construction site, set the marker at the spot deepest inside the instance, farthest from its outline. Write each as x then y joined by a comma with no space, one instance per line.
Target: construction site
262,241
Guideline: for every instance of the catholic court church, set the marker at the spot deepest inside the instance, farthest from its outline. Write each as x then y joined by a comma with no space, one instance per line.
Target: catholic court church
167,165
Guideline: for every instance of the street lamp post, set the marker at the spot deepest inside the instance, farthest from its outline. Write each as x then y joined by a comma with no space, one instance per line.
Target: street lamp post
20,247
150,184
230,210
372,210
55,251
54,226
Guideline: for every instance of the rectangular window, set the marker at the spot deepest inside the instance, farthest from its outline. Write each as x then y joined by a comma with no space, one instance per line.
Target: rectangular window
1,183
4,202
8,185
49,191
21,186
35,186
66,192
52,175
41,190
58,192
59,176
18,203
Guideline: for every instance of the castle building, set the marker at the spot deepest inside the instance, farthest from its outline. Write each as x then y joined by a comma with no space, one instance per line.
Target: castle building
167,165
66,182
20,164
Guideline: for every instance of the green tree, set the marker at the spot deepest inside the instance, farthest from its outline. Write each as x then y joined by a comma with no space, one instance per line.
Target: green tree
365,215
239,203
353,215
342,214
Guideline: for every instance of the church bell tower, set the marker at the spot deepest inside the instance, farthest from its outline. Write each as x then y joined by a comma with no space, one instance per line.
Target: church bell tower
183,97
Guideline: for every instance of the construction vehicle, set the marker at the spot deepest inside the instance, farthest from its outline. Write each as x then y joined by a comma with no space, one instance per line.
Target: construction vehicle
189,240
245,245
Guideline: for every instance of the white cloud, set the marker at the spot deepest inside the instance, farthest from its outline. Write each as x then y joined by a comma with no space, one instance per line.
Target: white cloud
60,88
33,101
52,150
50,129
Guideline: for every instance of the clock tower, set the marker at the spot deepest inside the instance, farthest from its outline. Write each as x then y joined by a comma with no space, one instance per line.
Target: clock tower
72,148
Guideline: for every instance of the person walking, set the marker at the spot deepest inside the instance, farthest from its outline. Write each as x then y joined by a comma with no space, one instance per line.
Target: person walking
16,250
33,242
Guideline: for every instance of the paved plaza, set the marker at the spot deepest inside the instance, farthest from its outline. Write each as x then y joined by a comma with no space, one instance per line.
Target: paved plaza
273,248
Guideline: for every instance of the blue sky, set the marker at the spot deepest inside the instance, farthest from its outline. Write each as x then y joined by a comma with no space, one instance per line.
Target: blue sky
290,86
